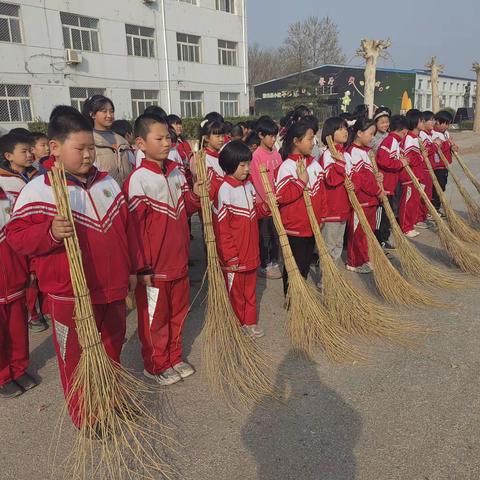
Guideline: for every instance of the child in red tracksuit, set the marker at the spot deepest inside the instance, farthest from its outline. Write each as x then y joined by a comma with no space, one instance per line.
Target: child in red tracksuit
160,202
16,171
426,137
101,222
367,189
390,163
410,198
336,170
236,215
290,184
212,134
14,379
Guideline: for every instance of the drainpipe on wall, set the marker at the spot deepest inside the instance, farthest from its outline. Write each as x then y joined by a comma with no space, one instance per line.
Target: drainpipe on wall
167,68
245,53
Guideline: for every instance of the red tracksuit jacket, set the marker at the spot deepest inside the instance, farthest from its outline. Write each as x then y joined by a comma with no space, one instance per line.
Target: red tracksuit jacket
411,150
236,215
12,182
159,202
430,147
339,207
214,171
109,247
446,148
13,266
388,161
290,195
363,178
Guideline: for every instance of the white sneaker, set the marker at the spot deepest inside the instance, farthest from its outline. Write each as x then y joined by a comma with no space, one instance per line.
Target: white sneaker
168,377
253,331
423,225
184,369
412,234
365,268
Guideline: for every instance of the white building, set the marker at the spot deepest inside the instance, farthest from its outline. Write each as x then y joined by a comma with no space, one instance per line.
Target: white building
188,56
455,92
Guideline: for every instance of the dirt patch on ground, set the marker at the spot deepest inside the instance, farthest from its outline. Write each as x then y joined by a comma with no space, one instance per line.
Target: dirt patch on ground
469,142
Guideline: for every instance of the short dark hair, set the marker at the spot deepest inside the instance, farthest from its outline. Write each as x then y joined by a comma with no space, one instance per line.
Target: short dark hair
251,124
266,126
60,109
398,123
173,119
236,131
144,122
414,117
68,122
214,117
444,116
95,104
232,154
428,115
122,127
330,126
362,124
212,128
297,130
9,141
155,110
313,121
19,131
36,136
252,139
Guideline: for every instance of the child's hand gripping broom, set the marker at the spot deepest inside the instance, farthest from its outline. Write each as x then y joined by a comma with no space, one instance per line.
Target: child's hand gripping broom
355,311
456,223
110,399
473,208
236,367
309,324
414,264
458,251
390,284
467,171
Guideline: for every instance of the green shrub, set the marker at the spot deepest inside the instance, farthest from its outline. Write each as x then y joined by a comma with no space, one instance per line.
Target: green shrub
191,126
38,126
466,125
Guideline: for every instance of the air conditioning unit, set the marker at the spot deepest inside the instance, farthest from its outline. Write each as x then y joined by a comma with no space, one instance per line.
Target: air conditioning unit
72,57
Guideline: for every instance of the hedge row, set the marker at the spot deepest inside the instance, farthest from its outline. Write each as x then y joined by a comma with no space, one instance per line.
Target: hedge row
190,125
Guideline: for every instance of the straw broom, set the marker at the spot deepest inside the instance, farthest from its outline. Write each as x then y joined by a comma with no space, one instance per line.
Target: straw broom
355,311
456,223
473,208
467,171
110,399
390,284
236,367
413,263
308,324
458,251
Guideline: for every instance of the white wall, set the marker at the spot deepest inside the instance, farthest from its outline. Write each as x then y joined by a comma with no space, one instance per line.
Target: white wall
39,61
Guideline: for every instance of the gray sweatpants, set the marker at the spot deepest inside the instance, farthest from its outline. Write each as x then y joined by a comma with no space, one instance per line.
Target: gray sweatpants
333,233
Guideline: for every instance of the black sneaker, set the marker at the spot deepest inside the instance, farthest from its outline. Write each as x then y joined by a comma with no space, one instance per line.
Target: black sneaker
37,326
26,382
10,390
387,246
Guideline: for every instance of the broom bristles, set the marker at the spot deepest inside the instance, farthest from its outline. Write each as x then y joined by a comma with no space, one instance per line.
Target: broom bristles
308,324
467,171
110,400
413,263
237,368
355,311
456,223
458,251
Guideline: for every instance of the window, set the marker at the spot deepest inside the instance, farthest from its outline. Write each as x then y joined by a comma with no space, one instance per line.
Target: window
420,82
225,5
10,23
429,101
227,53
15,103
188,48
191,104
451,86
141,99
429,84
80,33
444,86
193,2
140,41
78,95
419,102
229,104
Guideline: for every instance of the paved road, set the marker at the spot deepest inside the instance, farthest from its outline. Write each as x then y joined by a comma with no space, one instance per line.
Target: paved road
406,415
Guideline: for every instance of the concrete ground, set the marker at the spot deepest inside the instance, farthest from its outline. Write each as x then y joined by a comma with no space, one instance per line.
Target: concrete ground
404,415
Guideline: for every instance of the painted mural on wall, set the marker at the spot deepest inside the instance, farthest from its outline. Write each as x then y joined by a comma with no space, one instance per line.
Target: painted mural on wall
330,90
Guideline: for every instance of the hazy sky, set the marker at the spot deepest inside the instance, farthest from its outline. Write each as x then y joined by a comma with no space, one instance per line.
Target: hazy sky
418,29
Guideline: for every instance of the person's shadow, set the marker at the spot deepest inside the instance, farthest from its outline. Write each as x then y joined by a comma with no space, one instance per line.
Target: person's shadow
310,434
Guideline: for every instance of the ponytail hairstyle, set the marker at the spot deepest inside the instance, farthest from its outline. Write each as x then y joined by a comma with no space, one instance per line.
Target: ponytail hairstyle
94,104
361,125
360,111
414,117
331,125
208,128
292,117
297,130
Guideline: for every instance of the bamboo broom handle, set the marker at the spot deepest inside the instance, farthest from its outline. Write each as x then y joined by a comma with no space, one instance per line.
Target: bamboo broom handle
467,171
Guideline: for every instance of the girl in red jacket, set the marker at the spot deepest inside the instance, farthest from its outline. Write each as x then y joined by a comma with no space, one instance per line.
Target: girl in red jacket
101,222
290,184
160,203
367,191
336,169
236,215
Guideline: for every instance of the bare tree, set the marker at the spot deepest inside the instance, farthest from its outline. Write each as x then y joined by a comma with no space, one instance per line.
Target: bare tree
263,64
476,123
435,70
